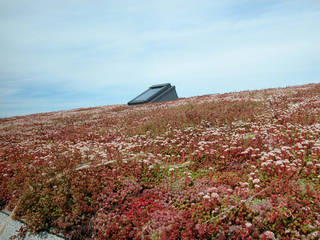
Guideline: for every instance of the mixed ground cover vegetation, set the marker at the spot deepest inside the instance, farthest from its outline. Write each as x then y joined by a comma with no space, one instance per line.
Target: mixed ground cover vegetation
240,165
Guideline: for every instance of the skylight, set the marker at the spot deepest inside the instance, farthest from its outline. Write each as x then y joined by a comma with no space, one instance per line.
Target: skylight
156,93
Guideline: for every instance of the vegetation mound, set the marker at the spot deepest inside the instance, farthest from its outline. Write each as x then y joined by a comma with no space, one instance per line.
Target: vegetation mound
242,165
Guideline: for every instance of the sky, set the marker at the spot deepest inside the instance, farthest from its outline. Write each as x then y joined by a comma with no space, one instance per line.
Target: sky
59,55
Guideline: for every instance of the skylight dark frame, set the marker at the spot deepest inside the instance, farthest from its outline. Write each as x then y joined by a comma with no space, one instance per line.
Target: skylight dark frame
164,89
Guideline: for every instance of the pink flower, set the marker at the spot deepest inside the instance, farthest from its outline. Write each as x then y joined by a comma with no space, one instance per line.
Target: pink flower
248,225
267,235
256,180
315,234
212,189
214,195
206,197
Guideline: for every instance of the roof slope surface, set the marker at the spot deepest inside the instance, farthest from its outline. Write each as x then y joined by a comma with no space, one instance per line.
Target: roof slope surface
234,165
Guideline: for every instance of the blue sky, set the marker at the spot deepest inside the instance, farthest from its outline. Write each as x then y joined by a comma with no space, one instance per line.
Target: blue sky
58,55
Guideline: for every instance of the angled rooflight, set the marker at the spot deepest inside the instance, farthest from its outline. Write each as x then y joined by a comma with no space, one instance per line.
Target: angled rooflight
156,93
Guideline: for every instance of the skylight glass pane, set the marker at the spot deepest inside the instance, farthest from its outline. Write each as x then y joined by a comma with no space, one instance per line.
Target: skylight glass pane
147,94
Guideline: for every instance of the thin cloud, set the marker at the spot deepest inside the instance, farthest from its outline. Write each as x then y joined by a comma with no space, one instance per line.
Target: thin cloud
83,49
